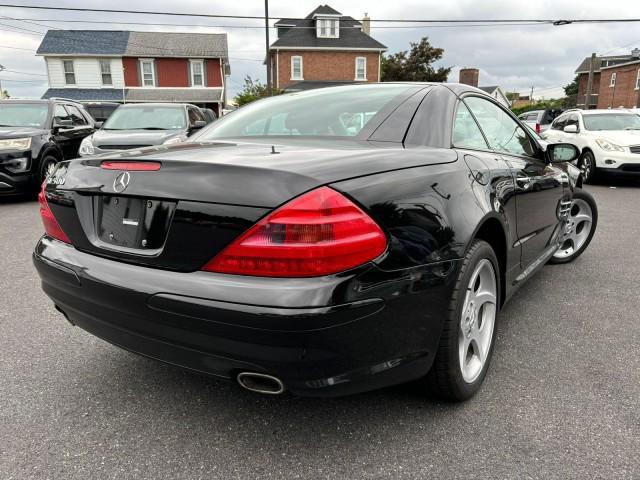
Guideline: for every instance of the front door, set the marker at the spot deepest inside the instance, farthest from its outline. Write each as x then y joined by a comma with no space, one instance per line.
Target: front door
538,185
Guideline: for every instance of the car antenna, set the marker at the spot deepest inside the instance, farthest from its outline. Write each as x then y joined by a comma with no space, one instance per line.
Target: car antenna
273,150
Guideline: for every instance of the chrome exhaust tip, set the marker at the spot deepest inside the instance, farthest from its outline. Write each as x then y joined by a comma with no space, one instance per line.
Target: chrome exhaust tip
260,383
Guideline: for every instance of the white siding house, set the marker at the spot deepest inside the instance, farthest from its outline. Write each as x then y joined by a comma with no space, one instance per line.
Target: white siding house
87,72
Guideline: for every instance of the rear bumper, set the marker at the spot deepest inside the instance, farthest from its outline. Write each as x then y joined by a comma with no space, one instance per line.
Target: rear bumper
316,335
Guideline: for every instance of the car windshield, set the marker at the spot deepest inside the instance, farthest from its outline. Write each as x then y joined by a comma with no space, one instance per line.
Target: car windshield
336,112
611,121
23,114
147,117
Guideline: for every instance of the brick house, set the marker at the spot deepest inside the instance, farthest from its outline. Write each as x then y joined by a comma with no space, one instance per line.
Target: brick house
133,67
325,48
616,81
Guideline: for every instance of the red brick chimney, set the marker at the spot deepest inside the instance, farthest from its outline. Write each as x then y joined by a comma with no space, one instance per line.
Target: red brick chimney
469,76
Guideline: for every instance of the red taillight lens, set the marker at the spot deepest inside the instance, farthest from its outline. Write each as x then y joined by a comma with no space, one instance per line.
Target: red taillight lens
538,129
132,166
319,233
51,225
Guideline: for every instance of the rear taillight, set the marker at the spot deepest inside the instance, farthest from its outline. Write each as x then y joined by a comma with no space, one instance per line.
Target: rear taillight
319,233
51,225
132,166
538,129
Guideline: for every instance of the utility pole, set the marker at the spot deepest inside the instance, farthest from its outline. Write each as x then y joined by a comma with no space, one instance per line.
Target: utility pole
592,66
531,96
266,35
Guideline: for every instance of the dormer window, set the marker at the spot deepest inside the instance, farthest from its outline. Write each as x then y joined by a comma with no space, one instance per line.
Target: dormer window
328,27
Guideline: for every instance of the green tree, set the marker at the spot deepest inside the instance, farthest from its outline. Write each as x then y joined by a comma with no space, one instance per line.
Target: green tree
253,90
5,94
416,65
572,88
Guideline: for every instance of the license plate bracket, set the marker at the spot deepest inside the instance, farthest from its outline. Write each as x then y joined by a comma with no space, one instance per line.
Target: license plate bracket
132,223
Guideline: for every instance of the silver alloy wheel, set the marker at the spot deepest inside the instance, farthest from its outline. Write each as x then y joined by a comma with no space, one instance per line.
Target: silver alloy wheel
586,166
478,320
577,229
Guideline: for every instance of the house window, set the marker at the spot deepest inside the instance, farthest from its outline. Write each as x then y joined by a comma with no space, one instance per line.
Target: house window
69,73
328,28
638,81
296,68
197,73
147,73
105,72
612,83
361,68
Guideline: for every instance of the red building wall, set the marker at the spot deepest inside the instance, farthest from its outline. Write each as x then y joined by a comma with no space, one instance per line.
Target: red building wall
130,65
171,72
325,65
214,76
624,94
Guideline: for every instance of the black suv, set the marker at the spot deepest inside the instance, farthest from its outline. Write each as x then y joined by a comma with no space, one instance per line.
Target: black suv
34,136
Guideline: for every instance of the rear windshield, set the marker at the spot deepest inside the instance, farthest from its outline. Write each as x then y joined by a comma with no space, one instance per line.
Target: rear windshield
146,117
611,121
336,112
100,112
23,115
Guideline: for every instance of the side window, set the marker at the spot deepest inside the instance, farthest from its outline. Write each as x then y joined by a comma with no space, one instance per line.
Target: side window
466,133
572,120
502,131
195,115
560,122
59,113
76,116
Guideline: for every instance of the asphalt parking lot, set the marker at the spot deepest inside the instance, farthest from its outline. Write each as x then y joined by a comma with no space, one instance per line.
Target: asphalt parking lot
562,398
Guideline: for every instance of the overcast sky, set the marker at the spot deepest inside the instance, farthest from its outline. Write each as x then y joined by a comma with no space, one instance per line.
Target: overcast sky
514,57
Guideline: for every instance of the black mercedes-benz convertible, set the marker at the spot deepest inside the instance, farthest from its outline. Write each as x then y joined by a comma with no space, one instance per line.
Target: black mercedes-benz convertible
324,243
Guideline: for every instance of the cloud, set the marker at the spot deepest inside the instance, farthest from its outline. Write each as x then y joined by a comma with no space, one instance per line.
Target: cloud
515,57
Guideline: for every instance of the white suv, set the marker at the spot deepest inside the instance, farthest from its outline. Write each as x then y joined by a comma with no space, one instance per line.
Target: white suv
608,139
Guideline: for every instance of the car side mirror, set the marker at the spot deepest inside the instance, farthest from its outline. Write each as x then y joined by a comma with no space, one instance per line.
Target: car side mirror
570,129
98,125
62,125
562,152
198,124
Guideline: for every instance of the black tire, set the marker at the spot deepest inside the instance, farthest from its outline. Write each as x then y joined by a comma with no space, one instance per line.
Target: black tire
44,165
587,165
581,195
445,379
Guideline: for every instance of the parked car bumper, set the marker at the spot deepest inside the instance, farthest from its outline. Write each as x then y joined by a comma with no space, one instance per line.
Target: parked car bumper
16,183
618,161
320,350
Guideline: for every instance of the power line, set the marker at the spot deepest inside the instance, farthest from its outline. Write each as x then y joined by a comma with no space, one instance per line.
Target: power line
557,22
259,27
26,73
18,48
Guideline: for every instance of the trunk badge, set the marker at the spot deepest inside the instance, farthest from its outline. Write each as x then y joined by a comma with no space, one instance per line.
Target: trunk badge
121,182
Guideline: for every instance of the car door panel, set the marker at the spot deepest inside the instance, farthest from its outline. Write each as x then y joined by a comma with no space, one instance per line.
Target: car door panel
538,186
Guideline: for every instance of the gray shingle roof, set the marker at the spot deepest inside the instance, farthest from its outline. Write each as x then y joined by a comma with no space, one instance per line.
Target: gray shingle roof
193,95
86,94
182,95
124,43
323,10
602,61
84,42
166,44
351,36
489,89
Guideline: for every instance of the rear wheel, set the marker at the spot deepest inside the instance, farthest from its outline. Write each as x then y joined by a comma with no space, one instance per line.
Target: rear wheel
588,167
580,228
466,344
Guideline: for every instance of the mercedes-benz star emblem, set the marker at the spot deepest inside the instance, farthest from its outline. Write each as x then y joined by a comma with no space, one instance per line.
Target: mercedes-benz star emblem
121,182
